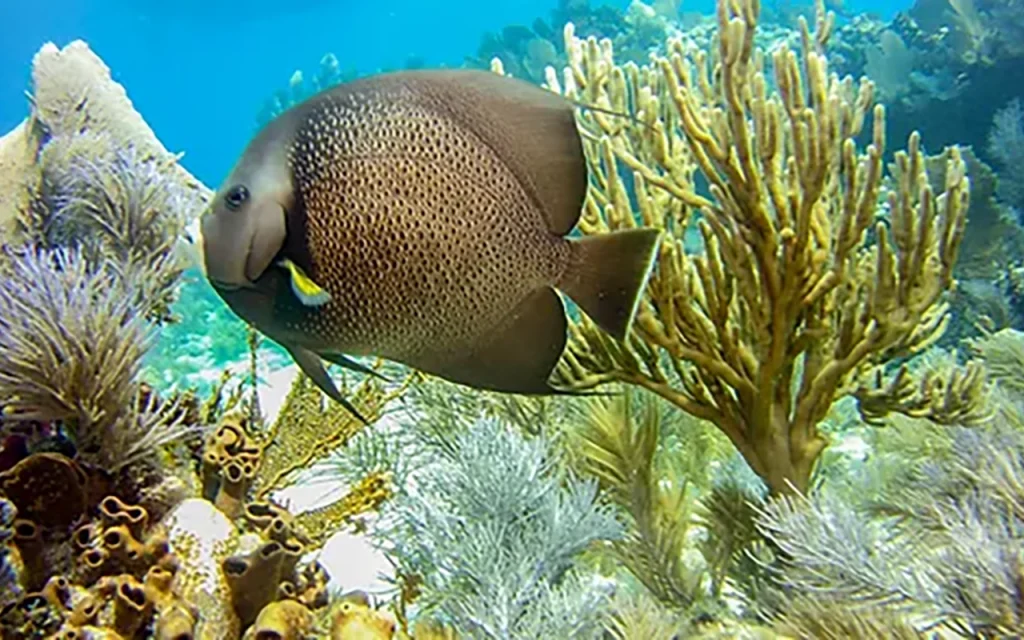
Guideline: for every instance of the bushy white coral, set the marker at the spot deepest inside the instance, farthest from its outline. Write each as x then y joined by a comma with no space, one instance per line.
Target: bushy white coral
493,525
939,547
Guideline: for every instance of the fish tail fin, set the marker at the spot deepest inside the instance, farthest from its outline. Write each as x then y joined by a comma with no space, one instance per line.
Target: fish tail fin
607,274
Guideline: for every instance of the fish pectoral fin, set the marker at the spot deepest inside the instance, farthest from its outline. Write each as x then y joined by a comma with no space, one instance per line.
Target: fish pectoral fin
308,292
519,355
312,366
342,360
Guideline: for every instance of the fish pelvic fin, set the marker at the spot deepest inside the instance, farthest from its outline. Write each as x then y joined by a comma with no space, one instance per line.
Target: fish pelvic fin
313,367
342,360
308,292
607,274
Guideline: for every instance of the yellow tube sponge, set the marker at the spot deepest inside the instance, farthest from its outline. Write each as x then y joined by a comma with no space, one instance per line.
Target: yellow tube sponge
132,607
176,622
282,620
355,619
255,578
231,459
805,286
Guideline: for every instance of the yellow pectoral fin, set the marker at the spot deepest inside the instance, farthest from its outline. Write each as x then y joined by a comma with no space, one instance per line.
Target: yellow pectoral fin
308,292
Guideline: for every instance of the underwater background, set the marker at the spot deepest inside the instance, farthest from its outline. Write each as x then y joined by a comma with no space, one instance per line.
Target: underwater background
859,473
202,73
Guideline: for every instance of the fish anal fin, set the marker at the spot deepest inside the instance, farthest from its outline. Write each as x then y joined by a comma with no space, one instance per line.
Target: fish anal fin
519,356
607,274
310,364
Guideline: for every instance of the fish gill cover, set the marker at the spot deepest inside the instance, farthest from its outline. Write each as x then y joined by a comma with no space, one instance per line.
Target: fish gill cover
812,430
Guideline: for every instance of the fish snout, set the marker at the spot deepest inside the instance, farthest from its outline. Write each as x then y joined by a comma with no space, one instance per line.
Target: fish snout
225,253
267,233
238,249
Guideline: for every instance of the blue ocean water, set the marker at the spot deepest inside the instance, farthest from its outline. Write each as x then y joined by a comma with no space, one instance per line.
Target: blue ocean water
198,70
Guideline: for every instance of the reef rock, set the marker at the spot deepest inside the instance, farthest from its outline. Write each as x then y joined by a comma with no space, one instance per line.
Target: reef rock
72,92
202,537
17,160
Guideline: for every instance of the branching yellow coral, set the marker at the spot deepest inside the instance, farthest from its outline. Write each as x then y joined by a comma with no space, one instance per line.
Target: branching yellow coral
803,290
308,429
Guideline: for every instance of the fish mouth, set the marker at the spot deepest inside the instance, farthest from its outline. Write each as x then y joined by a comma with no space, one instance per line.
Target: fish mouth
231,286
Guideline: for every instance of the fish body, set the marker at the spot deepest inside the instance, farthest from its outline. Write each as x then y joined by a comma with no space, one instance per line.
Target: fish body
422,217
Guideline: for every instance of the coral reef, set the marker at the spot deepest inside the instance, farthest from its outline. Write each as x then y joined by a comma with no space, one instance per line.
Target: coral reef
225,567
1006,146
944,554
120,581
328,74
243,555
940,61
797,302
91,258
527,50
61,321
126,513
88,173
802,285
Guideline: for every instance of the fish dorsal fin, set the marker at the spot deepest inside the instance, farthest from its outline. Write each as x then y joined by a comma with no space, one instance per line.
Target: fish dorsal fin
533,130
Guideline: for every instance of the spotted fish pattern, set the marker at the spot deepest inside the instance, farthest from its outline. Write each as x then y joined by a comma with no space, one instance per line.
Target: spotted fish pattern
434,209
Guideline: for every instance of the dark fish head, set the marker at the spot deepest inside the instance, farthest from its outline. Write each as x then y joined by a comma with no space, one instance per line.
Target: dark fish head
255,302
244,227
267,304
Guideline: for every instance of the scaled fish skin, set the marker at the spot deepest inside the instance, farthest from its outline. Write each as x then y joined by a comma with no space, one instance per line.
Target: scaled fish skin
421,216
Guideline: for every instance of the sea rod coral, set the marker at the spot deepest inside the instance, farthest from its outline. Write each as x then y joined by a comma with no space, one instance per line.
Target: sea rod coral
806,286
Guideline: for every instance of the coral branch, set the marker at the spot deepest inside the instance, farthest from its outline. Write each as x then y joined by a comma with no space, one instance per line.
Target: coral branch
804,287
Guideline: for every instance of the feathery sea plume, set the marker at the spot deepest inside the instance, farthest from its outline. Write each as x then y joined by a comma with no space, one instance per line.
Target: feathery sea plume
72,337
492,527
941,548
118,205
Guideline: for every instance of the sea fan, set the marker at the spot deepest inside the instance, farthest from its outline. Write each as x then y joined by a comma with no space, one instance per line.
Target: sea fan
1006,144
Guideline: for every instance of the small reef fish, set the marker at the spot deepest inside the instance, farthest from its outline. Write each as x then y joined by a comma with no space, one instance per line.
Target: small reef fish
423,217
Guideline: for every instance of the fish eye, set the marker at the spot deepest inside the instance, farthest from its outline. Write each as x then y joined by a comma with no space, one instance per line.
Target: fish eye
236,196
